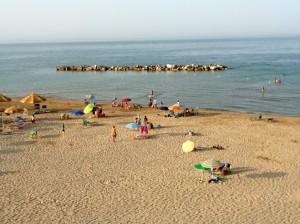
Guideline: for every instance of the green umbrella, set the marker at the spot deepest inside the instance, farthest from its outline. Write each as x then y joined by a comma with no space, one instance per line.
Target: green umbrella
89,108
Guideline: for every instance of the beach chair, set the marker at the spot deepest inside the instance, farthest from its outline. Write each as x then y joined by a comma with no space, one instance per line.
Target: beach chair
44,109
36,109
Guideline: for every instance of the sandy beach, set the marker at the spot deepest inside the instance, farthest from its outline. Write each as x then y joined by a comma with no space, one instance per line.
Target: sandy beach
81,176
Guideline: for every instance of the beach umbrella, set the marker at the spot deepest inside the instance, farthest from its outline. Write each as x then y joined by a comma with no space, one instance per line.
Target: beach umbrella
174,107
77,113
4,98
132,126
125,100
89,108
163,108
188,146
211,164
33,98
10,110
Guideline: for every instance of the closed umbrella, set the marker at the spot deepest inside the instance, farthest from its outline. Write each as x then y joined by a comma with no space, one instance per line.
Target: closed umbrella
33,98
4,98
188,146
89,108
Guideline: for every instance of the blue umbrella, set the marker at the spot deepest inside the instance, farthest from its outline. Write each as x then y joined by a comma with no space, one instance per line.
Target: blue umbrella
77,113
132,126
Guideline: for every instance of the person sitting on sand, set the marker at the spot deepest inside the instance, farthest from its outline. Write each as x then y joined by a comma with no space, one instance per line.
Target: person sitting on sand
190,133
138,121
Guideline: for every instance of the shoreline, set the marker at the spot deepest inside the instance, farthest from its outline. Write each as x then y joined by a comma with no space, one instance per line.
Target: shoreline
63,104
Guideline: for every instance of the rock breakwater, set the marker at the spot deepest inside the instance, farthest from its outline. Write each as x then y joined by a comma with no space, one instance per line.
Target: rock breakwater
143,68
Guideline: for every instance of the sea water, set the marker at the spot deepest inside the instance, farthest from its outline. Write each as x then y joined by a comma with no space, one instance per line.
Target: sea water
254,62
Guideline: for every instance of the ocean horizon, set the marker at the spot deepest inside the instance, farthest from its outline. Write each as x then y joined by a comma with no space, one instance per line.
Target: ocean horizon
26,67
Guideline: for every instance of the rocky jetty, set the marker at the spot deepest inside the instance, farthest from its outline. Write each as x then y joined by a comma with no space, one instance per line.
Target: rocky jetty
141,68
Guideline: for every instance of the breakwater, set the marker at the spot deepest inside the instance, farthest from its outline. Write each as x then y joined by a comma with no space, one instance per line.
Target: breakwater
141,68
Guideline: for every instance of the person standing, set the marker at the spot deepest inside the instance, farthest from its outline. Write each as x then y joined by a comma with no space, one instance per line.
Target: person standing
32,119
114,133
63,128
263,90
154,103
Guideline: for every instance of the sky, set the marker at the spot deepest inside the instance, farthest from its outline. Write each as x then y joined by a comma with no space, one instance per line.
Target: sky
123,20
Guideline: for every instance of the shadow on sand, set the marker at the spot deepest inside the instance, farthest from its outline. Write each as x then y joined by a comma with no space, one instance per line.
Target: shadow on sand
2,173
51,136
269,175
8,151
238,170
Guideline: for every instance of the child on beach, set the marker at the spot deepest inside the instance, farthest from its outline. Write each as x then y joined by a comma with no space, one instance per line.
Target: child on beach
114,133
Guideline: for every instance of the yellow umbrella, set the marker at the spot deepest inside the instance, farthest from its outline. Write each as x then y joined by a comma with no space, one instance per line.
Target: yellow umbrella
4,98
10,110
32,99
188,146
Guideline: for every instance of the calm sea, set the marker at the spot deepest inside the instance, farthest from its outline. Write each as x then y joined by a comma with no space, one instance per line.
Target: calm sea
255,63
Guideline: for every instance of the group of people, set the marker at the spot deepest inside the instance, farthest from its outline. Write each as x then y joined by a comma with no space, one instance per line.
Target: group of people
142,126
275,81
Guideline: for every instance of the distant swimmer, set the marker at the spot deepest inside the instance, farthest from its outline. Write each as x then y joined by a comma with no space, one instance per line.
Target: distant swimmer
263,90
277,81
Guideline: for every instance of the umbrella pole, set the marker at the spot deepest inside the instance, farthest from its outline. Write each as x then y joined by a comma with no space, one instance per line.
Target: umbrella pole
2,123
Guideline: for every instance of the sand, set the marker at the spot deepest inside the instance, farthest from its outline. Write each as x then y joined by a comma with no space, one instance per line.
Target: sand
82,177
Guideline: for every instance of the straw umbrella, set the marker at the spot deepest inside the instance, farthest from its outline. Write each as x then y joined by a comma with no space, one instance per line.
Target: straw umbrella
33,98
10,110
208,165
4,98
211,164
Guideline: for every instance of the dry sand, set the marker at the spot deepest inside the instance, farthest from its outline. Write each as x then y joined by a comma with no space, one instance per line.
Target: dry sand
82,177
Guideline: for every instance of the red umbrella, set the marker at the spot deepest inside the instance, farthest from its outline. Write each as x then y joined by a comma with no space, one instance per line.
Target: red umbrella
126,100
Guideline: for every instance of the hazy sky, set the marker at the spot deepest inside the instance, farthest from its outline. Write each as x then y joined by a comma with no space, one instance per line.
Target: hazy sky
110,20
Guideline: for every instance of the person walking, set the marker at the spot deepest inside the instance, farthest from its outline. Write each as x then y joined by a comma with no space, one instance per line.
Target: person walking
114,133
